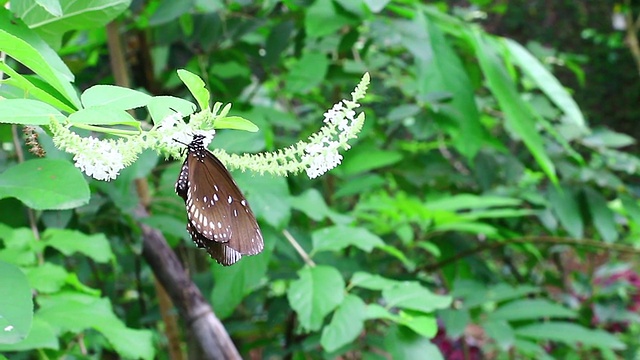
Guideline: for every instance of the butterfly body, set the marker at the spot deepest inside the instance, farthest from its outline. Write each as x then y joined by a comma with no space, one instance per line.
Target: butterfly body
219,217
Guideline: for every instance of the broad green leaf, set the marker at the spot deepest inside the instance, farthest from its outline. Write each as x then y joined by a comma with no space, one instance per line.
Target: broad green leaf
197,88
162,106
336,238
375,311
66,241
316,292
41,336
470,201
504,291
29,85
631,207
413,296
45,184
564,204
51,6
501,332
76,312
233,283
423,324
268,196
321,18
167,11
28,112
308,72
376,5
46,278
530,309
517,114
114,97
236,123
77,15
571,334
404,344
16,305
371,281
601,214
312,204
548,83
470,227
366,157
25,46
345,326
600,138
455,321
278,41
100,115
532,349
443,71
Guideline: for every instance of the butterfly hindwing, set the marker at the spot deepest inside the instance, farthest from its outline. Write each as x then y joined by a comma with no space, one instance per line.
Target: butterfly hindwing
219,217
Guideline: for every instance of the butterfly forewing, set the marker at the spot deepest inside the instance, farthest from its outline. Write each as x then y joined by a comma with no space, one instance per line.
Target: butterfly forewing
220,218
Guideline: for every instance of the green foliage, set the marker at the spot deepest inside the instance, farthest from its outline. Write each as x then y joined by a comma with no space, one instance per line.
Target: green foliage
434,229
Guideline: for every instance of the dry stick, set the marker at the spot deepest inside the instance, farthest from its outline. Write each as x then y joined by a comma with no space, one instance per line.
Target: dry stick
303,254
533,240
197,313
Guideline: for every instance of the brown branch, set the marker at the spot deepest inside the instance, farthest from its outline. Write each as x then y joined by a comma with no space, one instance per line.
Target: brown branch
534,240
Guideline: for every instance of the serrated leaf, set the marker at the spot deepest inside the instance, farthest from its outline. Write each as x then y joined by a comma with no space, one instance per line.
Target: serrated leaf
317,292
335,238
16,305
197,88
346,324
45,184
46,278
71,241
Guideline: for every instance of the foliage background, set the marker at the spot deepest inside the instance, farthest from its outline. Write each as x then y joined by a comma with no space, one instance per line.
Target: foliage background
478,215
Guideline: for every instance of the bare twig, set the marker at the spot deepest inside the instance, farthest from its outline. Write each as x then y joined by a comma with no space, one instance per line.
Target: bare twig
303,254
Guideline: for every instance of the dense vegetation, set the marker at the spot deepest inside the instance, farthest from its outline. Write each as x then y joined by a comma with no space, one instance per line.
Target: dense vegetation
477,214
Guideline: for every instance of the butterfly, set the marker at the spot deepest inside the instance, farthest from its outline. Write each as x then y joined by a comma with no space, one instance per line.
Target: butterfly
219,217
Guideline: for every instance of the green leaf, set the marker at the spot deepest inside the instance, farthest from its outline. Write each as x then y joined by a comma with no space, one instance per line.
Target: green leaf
413,296
41,336
315,294
101,115
336,238
570,334
268,196
46,278
197,88
45,184
470,201
548,83
443,71
375,311
321,18
631,207
31,88
312,204
25,46
371,281
530,309
114,97
71,241
404,344
518,116
601,214
345,326
376,6
366,157
307,73
76,312
77,15
233,283
162,106
565,206
28,112
16,305
600,138
236,123
501,332
423,324
455,321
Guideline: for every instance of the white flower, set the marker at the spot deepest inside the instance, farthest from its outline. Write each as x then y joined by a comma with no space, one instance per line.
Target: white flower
97,158
321,157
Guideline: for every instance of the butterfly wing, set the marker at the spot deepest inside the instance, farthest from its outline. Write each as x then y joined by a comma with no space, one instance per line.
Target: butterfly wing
222,253
216,208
